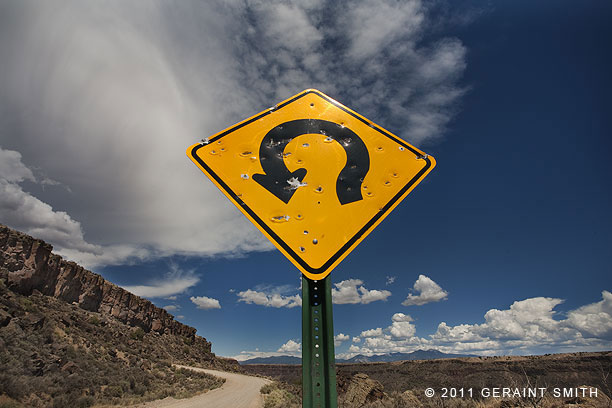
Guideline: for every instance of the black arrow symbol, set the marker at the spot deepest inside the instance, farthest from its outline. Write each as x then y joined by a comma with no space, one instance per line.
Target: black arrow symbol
276,174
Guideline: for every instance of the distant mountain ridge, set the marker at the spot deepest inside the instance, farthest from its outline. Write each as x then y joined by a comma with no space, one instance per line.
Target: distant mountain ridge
360,358
431,354
273,360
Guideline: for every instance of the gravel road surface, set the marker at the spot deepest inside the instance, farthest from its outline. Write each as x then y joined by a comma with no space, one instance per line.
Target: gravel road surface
238,391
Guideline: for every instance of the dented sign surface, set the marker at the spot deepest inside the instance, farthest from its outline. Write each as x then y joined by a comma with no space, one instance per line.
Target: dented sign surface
312,175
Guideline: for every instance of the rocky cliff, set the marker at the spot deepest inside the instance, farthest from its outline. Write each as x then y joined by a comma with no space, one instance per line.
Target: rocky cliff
28,264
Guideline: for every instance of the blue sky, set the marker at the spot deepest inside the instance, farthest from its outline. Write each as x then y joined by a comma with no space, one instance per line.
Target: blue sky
503,249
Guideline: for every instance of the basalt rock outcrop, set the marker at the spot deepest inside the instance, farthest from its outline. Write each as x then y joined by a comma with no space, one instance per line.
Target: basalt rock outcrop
28,264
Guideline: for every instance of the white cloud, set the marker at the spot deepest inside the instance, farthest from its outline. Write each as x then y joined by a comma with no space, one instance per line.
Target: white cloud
340,338
390,280
427,291
21,210
351,291
106,99
171,308
356,339
261,298
291,347
594,320
206,303
12,169
528,326
375,24
372,332
174,282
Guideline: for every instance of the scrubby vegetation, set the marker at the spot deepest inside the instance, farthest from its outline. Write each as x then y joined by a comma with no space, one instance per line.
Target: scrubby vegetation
53,354
280,395
403,384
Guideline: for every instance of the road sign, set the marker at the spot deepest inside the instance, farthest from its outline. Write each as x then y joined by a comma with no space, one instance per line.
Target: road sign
314,176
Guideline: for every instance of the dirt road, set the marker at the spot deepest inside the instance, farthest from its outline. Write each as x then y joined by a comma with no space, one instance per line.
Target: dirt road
239,391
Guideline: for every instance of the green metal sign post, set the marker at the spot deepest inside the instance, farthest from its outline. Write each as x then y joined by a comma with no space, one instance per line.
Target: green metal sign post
318,358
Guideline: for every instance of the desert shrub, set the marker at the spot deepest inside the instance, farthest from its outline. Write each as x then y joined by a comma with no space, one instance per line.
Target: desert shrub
84,402
137,334
113,391
27,305
7,402
276,397
94,320
268,388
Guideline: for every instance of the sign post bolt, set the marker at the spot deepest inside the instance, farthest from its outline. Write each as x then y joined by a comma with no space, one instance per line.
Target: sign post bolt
318,358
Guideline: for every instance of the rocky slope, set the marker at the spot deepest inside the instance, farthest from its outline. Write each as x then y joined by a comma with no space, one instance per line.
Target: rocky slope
27,264
68,338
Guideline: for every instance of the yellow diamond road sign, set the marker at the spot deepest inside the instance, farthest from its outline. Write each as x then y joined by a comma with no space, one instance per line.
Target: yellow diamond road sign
314,176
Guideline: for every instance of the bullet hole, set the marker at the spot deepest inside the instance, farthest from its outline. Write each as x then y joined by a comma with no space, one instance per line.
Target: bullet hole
244,176
302,249
281,218
315,241
305,232
305,145
401,148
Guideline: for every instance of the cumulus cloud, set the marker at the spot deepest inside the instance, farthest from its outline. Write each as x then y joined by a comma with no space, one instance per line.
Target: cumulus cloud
340,338
372,332
174,282
261,298
106,99
427,291
352,291
171,308
290,347
23,211
528,326
594,320
206,303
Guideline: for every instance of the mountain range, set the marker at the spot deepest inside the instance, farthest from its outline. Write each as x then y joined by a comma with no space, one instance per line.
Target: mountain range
360,358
